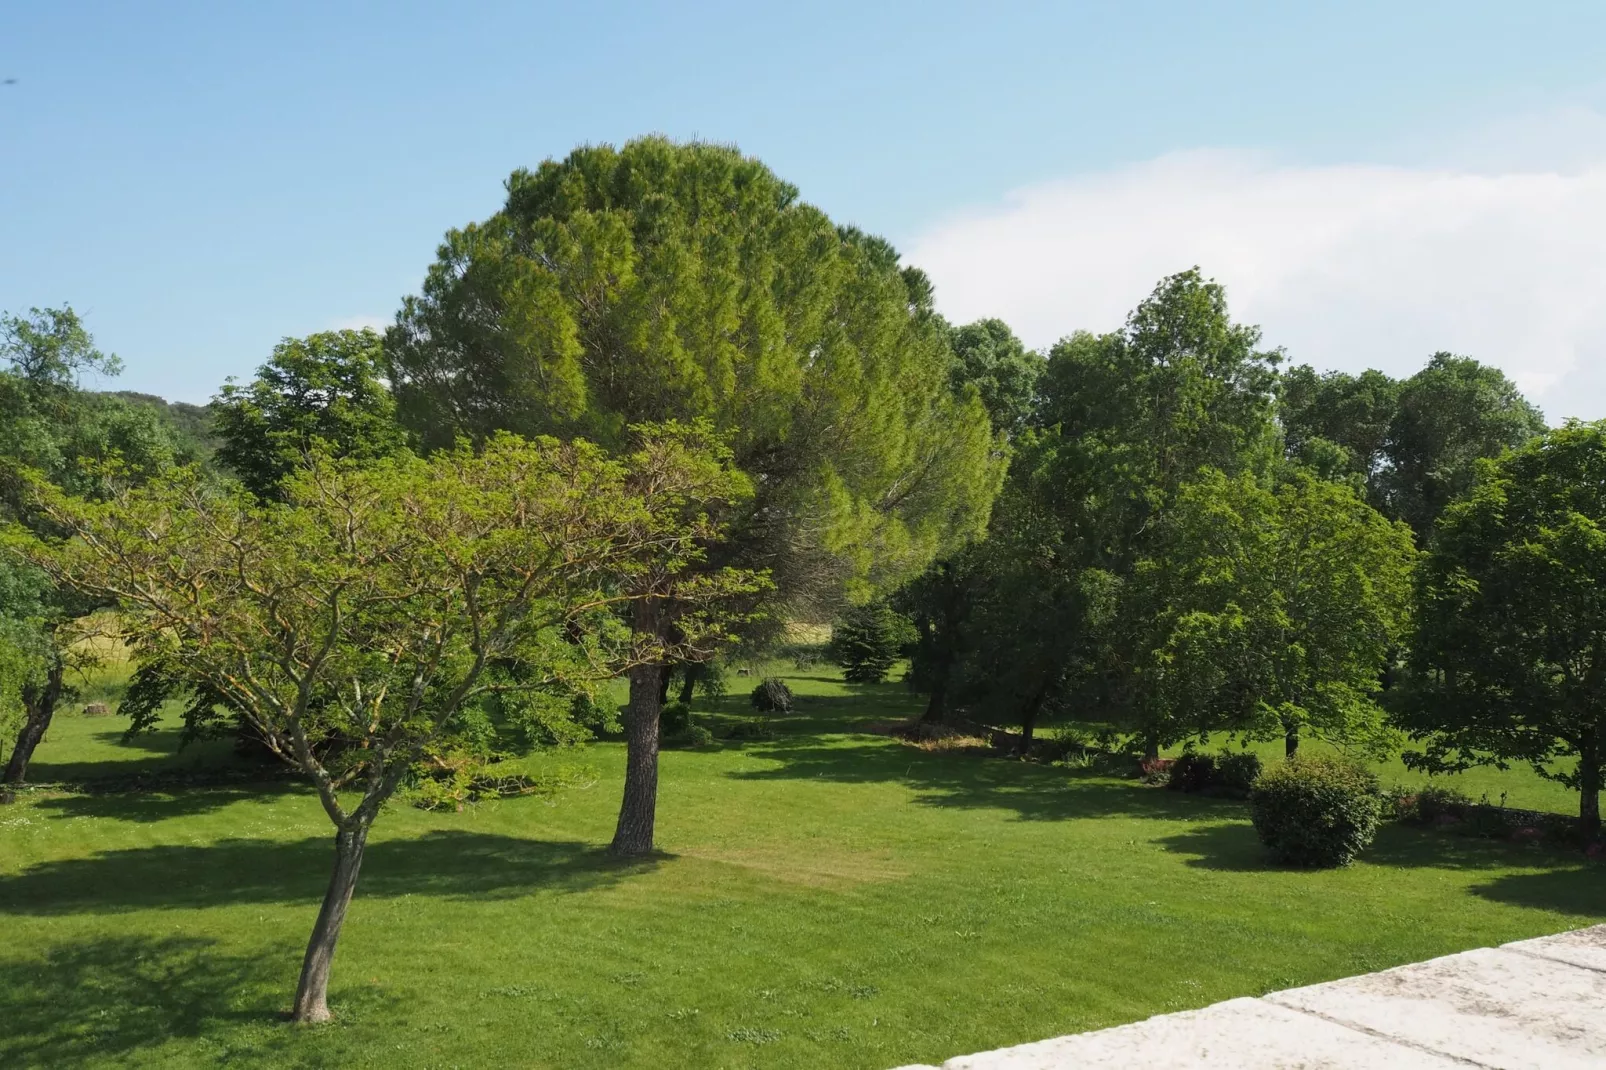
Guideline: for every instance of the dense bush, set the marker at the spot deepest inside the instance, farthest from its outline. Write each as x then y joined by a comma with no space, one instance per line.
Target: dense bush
1236,772
693,735
867,640
677,729
1315,811
600,714
1229,773
1191,771
772,696
1434,802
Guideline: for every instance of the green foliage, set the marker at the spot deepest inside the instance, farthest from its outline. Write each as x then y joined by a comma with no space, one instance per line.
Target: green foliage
454,580
1511,606
596,712
675,718
1452,413
751,729
771,696
989,357
867,640
321,394
190,425
1412,443
1352,414
1229,773
1431,803
943,606
50,348
1316,811
83,443
664,281
1236,772
1088,587
679,730
1288,605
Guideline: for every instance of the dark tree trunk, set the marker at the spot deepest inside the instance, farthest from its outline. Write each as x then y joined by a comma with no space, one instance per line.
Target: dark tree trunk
1029,715
633,837
1151,747
1589,777
689,673
1291,743
39,703
934,704
312,993
666,671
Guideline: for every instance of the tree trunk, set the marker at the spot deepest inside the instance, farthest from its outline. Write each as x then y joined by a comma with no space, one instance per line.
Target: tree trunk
312,993
934,704
1291,743
1589,777
1029,715
40,704
633,837
689,672
1151,747
666,671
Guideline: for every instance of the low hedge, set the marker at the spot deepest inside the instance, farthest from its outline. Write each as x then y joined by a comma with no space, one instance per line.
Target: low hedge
1230,774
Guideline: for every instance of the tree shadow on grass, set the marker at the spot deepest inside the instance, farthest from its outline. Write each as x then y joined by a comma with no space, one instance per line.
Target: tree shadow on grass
157,805
1565,883
1579,890
1034,792
443,863
105,999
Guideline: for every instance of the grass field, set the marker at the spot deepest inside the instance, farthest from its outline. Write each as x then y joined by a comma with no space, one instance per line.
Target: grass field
828,898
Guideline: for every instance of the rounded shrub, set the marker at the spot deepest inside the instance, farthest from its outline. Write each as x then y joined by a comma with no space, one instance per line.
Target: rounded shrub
1315,811
772,696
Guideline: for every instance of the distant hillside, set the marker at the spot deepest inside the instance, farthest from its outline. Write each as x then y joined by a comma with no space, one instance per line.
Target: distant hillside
191,424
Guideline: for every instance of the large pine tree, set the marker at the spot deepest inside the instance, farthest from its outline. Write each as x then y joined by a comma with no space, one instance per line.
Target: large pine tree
665,281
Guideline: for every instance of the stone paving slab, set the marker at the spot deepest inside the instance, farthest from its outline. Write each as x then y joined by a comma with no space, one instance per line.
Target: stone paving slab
1493,1007
1241,1034
1530,1005
1584,947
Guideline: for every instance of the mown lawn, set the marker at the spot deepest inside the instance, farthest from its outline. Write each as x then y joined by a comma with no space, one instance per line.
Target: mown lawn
829,898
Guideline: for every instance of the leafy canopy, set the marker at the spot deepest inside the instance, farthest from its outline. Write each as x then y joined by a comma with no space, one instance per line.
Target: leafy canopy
685,281
382,606
1292,600
1509,658
322,392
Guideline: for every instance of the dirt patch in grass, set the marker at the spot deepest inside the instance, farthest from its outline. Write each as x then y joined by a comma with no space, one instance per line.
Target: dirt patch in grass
823,868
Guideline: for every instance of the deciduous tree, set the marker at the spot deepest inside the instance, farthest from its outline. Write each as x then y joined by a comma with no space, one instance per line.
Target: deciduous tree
79,441
1293,598
384,606
322,392
1509,659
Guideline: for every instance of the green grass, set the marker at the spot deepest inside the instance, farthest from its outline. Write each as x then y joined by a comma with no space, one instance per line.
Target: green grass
828,898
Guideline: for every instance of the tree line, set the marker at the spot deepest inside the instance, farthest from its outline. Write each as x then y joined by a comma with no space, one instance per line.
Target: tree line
658,405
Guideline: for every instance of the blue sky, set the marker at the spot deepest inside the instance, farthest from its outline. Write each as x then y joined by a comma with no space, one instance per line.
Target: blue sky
202,179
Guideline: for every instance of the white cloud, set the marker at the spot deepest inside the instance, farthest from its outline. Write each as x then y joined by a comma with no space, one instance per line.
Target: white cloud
1346,266
357,323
